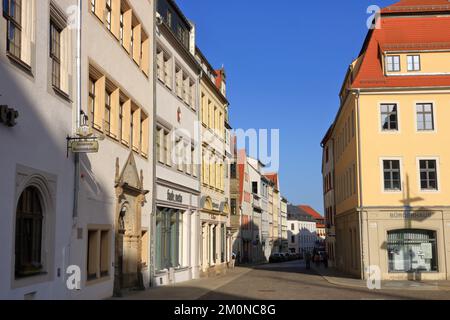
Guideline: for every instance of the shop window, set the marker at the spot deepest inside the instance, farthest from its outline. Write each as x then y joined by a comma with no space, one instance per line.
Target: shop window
168,235
412,251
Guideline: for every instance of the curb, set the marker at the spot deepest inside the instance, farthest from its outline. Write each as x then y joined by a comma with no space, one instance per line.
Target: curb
420,287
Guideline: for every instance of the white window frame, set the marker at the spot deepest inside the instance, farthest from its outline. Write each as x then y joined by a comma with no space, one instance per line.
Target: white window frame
402,180
438,175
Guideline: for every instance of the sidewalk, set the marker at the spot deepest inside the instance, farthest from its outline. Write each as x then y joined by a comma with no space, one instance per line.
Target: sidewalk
189,290
337,278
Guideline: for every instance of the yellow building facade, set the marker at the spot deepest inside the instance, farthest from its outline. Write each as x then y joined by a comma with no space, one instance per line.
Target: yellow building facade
391,164
215,248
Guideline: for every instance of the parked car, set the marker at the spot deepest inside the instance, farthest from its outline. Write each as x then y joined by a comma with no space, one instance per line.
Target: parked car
292,256
276,257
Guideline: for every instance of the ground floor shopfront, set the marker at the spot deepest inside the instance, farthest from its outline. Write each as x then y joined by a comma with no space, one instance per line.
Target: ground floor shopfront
215,240
398,244
176,237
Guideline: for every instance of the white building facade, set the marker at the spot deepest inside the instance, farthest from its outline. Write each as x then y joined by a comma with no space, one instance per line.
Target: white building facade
176,222
302,232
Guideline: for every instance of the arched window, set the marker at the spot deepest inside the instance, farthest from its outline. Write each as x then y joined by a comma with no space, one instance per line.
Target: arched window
29,222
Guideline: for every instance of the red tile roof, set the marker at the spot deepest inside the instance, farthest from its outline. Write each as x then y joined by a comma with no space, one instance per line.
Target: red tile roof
405,6
272,177
313,213
401,34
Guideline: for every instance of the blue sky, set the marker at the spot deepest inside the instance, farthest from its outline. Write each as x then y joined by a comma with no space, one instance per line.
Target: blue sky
285,63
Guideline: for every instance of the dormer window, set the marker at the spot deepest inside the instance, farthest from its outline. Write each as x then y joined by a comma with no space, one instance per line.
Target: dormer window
393,63
414,63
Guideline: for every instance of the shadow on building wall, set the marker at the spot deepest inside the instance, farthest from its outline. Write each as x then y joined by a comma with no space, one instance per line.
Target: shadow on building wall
248,246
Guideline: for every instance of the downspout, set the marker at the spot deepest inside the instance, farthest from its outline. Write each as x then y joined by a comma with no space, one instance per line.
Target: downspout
77,115
360,198
154,208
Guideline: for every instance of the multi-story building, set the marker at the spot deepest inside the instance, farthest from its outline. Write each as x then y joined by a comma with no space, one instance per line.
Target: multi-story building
279,221
36,95
284,221
115,196
391,185
320,225
177,217
215,207
267,219
302,232
246,232
260,222
90,211
328,196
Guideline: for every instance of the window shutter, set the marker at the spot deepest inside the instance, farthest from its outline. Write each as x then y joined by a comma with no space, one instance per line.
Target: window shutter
115,105
127,18
115,19
137,44
99,103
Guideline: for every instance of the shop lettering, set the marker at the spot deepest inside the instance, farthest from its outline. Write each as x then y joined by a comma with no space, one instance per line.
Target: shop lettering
411,215
8,116
171,196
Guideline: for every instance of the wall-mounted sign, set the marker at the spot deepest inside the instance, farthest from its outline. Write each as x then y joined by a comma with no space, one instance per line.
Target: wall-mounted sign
8,116
411,215
84,142
84,146
171,196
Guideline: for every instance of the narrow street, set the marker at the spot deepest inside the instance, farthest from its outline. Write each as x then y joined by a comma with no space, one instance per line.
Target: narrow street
284,281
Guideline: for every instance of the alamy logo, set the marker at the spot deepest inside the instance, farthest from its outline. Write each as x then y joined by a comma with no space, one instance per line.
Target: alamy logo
373,278
374,21
74,278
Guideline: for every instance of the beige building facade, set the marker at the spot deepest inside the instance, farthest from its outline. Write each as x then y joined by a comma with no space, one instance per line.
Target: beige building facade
390,186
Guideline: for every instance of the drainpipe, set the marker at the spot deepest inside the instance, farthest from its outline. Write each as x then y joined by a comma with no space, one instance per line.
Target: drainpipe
360,198
154,208
78,114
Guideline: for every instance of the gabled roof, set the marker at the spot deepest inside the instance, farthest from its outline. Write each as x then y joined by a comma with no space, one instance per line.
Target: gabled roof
295,214
402,33
310,211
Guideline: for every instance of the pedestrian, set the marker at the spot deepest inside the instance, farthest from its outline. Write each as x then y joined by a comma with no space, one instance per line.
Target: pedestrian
308,260
325,260
317,260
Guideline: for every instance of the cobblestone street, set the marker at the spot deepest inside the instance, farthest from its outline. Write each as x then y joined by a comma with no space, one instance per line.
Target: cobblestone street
289,281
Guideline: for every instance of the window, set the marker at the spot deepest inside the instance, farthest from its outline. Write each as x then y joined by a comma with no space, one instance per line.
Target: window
412,251
255,187
425,117
392,178
107,112
108,13
98,259
92,100
233,170
121,28
168,235
12,10
93,3
292,239
393,63
55,54
428,175
389,117
413,63
29,223
121,121
233,204
292,227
